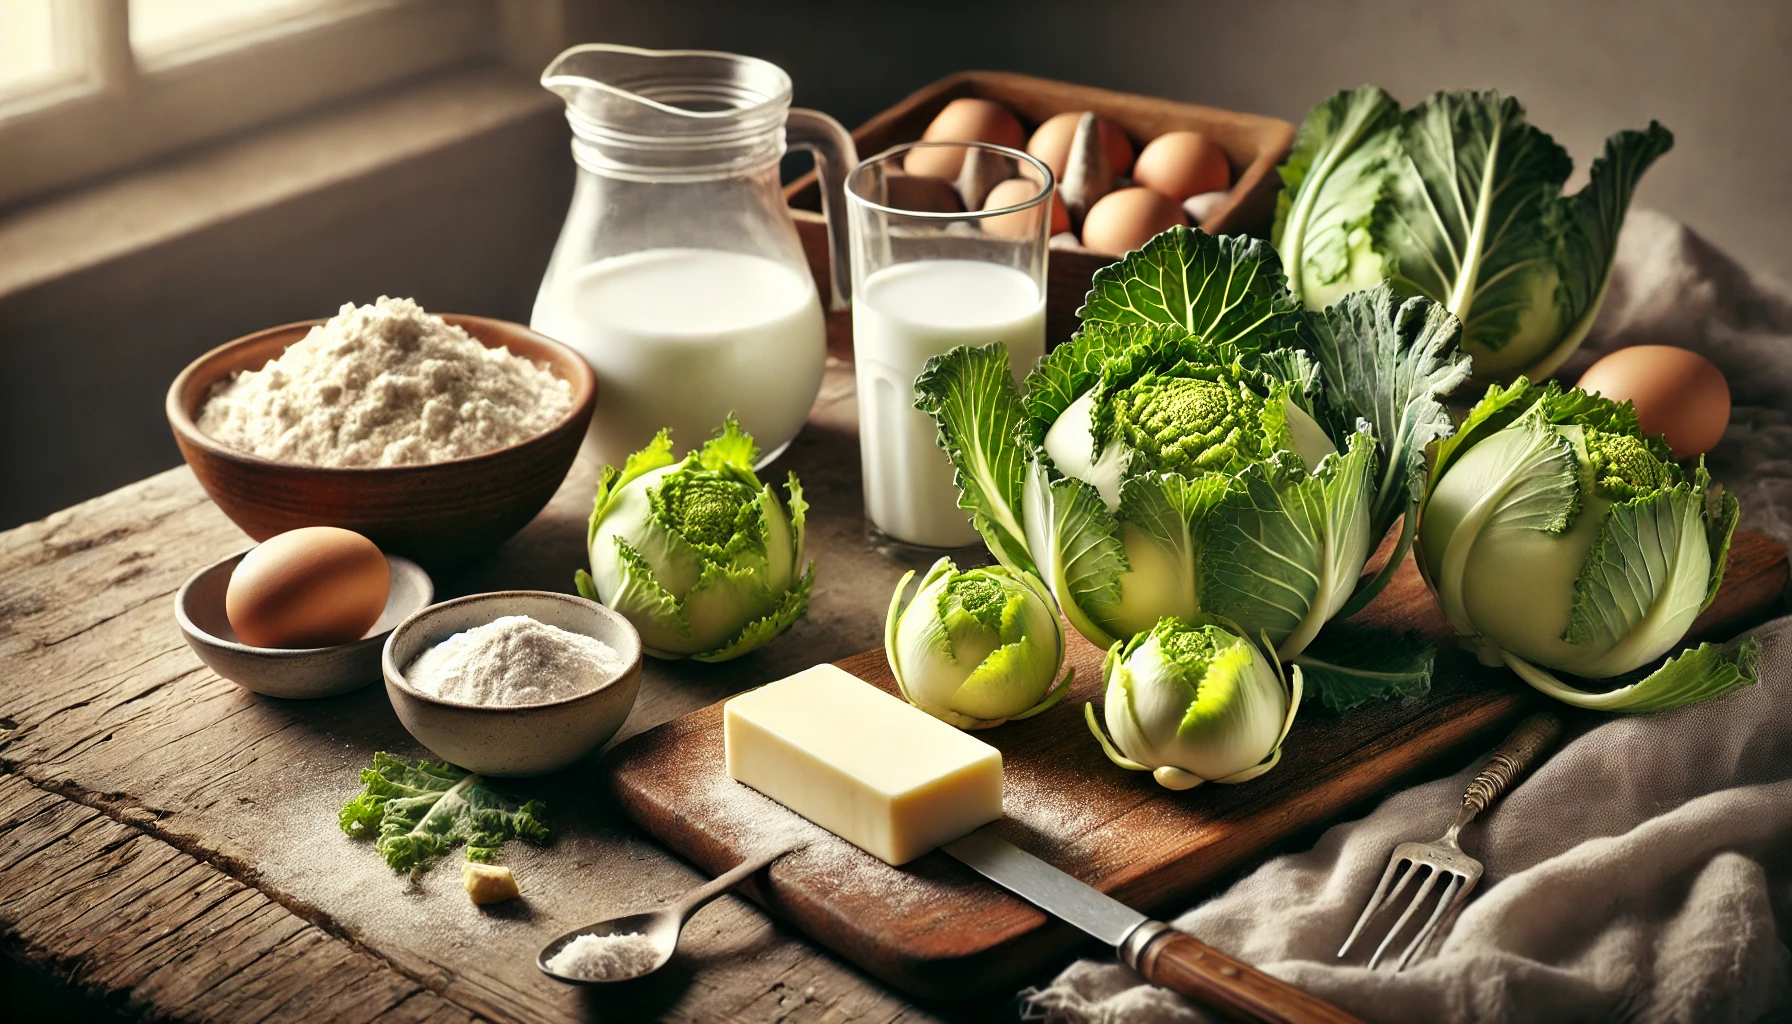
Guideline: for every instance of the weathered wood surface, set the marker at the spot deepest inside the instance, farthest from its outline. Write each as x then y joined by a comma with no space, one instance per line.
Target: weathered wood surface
167,839
934,927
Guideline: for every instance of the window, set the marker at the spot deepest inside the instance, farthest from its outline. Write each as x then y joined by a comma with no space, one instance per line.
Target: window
33,51
92,86
167,31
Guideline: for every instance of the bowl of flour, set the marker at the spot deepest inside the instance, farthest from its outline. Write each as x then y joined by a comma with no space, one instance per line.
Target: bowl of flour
435,436
517,682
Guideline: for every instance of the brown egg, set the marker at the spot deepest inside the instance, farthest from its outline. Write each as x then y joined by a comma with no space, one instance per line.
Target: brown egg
1183,164
1125,220
1013,192
1051,142
963,120
317,586
1678,393
930,195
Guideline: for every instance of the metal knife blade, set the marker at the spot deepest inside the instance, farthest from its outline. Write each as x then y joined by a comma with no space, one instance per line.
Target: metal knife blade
1039,883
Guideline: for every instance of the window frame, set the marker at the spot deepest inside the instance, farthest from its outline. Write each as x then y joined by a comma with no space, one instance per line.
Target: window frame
123,111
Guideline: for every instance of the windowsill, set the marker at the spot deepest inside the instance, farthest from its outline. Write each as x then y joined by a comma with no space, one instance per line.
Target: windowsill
139,210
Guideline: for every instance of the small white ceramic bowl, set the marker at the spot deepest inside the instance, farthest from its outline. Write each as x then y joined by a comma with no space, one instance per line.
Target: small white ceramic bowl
516,739
291,672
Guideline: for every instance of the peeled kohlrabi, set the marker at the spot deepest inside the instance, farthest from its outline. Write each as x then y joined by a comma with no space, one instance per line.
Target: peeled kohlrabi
976,648
1557,535
698,555
1193,704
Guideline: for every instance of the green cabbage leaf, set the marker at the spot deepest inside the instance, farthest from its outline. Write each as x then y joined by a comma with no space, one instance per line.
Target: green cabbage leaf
417,811
1459,200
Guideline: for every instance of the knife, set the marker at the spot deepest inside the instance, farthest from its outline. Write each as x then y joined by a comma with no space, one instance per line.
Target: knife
1163,955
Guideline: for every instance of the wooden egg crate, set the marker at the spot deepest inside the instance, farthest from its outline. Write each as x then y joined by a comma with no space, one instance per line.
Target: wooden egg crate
1253,144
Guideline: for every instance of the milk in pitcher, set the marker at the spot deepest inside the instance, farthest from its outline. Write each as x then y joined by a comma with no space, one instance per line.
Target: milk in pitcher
680,338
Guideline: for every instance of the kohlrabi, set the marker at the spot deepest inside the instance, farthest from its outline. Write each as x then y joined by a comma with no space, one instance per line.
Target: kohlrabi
978,647
696,553
1558,536
1201,446
1193,704
1458,200
1210,484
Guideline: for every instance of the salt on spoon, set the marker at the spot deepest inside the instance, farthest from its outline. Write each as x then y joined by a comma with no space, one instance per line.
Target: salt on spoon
625,948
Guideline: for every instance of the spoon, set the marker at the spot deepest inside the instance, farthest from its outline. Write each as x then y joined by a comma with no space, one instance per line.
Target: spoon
659,927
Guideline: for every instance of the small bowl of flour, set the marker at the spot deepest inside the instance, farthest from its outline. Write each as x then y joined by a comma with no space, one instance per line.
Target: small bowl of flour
435,436
518,682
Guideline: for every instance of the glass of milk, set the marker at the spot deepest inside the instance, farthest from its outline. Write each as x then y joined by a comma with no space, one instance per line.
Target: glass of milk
926,278
679,275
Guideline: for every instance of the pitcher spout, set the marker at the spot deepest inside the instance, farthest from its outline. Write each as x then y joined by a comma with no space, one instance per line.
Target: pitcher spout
667,92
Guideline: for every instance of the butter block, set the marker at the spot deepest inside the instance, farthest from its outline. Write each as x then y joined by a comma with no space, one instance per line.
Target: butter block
867,766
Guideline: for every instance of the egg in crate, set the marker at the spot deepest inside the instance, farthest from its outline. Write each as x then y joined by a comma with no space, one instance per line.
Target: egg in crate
1014,192
963,120
1183,164
1051,141
1677,393
1125,220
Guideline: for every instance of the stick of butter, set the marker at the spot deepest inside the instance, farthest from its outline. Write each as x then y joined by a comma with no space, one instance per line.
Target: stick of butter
872,769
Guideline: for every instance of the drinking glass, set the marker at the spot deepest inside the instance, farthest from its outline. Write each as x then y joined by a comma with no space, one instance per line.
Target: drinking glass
928,276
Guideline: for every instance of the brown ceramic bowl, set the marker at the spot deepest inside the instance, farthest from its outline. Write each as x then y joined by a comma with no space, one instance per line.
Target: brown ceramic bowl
440,513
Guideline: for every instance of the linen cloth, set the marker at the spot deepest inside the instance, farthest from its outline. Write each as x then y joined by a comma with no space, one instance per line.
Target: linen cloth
1641,873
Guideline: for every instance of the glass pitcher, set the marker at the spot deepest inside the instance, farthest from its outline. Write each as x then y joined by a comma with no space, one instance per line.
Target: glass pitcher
678,274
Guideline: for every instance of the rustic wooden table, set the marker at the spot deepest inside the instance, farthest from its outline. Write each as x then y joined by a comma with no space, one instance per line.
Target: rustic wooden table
168,840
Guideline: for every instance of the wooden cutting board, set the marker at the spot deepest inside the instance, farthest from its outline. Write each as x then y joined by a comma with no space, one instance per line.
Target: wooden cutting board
934,929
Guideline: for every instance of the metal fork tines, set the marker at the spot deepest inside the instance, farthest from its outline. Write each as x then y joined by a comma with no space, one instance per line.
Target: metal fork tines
1443,859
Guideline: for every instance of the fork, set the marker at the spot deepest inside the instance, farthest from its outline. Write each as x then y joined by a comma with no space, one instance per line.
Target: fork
1444,857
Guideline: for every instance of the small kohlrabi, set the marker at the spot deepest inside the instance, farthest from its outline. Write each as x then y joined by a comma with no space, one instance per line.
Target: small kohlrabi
1557,535
1458,200
1201,446
1193,704
699,556
976,648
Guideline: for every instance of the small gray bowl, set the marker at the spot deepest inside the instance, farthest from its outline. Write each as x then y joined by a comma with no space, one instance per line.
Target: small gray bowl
291,672
514,739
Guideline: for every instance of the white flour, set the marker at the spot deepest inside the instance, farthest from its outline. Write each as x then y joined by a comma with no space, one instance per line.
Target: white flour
606,957
514,660
385,385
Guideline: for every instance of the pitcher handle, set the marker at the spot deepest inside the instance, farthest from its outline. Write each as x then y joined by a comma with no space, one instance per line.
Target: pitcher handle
835,158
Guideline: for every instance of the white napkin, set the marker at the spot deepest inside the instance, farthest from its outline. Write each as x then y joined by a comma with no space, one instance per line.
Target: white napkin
1644,872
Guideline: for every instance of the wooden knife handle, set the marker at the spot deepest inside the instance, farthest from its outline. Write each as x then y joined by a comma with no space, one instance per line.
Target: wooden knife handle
1173,960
